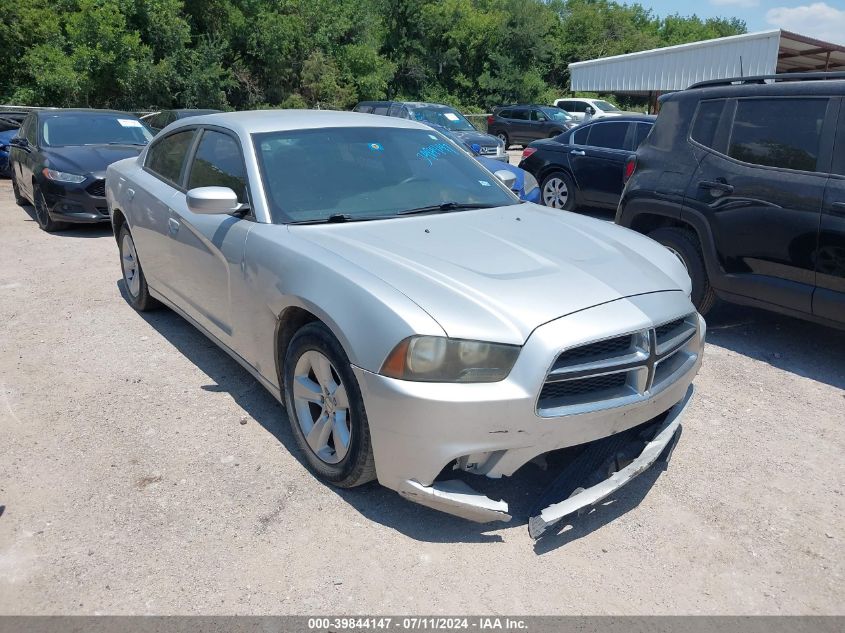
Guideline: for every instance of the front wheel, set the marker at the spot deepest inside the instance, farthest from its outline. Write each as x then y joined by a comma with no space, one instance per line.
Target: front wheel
325,408
134,280
558,191
42,213
685,246
19,199
504,138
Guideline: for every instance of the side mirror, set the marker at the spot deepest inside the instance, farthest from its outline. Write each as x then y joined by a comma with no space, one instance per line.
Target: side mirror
507,177
212,200
476,148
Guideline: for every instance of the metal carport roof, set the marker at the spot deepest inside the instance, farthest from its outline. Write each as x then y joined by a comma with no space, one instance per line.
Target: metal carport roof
678,67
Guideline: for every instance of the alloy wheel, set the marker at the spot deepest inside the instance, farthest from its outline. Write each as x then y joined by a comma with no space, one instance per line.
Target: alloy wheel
322,407
41,212
129,260
555,193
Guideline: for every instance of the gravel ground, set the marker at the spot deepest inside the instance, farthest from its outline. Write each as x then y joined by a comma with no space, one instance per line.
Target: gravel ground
142,471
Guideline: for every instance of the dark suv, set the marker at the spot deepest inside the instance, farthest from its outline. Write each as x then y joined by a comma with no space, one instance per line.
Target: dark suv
442,115
521,124
745,181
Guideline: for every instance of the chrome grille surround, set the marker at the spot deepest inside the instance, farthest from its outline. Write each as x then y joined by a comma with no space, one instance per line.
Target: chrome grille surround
621,369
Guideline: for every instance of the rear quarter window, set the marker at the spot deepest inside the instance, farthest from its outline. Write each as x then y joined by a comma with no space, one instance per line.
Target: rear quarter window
706,122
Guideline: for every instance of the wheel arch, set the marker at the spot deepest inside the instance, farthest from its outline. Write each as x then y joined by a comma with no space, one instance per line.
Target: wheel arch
118,219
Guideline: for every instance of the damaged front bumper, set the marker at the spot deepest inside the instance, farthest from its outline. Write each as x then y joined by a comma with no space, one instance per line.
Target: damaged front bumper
458,498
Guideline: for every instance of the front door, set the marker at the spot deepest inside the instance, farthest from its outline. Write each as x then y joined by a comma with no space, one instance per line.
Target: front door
208,250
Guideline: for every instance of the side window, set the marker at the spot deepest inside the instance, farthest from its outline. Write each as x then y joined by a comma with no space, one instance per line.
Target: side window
156,121
166,157
536,115
579,137
608,135
519,115
778,132
640,133
28,129
380,108
706,121
578,106
566,105
403,112
218,163
366,109
395,110
506,114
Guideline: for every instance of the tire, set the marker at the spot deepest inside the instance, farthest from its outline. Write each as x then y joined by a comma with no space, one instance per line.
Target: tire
558,191
503,136
42,215
686,247
19,199
316,369
134,279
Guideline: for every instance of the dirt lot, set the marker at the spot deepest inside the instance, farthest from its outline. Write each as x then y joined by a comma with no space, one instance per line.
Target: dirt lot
142,471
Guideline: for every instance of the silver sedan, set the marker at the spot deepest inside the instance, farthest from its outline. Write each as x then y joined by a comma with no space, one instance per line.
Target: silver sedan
411,314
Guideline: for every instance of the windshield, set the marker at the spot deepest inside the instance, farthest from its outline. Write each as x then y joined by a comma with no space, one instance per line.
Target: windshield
605,106
93,129
369,173
448,118
556,114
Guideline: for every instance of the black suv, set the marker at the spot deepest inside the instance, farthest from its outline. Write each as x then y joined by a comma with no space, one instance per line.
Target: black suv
521,124
442,115
744,180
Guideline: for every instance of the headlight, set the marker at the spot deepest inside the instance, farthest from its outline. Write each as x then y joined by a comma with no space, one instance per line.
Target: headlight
61,176
440,359
530,183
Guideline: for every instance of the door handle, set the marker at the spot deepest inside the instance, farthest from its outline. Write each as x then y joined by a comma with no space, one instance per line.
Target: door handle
578,152
716,185
173,226
838,208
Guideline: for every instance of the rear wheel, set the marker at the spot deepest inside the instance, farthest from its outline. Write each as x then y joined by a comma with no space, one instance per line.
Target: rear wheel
325,408
558,191
42,212
134,280
686,247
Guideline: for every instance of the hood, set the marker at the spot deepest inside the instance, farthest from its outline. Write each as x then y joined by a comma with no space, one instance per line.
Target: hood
471,136
497,274
88,159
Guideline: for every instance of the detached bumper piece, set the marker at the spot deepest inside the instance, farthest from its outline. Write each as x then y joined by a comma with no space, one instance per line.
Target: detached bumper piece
604,467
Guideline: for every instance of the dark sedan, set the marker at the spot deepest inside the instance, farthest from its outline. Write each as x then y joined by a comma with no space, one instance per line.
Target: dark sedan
59,158
585,166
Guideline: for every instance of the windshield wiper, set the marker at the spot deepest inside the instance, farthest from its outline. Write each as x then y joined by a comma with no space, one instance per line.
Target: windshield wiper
339,218
446,206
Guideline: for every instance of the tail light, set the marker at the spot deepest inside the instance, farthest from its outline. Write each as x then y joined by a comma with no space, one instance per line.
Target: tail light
630,167
490,119
527,152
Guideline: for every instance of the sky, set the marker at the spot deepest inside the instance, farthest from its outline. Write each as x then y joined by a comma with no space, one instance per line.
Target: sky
822,20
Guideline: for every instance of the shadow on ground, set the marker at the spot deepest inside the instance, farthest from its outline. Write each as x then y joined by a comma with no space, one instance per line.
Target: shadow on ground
792,345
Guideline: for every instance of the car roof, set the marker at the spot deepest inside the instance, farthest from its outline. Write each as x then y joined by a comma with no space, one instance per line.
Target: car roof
195,111
259,121
784,88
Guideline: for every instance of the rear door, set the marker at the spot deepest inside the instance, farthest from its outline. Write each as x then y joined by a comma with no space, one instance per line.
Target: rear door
829,297
599,165
207,250
520,126
761,190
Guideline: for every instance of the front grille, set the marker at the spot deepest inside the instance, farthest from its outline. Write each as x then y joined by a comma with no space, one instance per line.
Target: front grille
572,390
631,365
97,188
599,350
489,150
